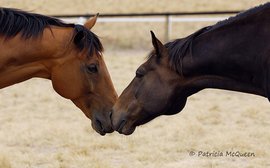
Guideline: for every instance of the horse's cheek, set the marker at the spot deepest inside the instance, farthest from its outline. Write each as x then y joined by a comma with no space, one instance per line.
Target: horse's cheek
65,84
157,98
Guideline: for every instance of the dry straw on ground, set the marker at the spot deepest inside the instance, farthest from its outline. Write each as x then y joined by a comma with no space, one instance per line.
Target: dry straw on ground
42,130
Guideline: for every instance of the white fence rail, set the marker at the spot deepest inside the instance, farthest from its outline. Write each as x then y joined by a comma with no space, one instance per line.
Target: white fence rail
168,20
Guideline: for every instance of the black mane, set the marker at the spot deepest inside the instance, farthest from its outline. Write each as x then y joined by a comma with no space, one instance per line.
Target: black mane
89,41
31,25
241,15
181,47
14,21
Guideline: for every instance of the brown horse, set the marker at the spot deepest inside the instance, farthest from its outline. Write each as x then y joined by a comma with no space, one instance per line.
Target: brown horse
34,45
233,54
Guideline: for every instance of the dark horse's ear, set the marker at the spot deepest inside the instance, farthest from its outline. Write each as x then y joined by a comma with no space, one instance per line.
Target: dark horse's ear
159,47
78,39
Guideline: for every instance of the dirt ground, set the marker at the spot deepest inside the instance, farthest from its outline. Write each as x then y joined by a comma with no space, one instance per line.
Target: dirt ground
41,129
216,129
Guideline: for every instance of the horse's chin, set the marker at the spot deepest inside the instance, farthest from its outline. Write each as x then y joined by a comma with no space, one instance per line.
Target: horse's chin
127,129
99,128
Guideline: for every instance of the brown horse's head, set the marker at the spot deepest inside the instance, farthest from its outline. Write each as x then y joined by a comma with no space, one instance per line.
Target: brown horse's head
156,90
83,77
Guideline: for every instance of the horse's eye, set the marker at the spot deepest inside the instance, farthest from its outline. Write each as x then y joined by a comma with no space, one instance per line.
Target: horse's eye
139,73
92,68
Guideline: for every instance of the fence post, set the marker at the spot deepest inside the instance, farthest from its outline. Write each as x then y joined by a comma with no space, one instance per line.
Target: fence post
168,27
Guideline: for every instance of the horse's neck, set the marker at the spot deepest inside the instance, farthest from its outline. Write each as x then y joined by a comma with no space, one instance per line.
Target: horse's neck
229,58
22,59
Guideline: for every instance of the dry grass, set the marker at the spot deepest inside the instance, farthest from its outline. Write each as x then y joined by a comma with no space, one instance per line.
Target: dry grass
42,130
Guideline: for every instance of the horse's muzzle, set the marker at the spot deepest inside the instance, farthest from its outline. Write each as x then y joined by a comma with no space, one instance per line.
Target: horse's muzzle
121,125
102,124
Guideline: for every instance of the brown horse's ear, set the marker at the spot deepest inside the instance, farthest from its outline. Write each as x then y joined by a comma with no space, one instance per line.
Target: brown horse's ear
159,47
91,22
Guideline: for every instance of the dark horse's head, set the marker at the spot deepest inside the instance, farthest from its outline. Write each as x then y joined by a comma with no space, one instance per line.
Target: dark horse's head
158,89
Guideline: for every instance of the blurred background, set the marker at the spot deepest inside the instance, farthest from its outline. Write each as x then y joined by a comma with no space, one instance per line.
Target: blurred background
135,34
40,129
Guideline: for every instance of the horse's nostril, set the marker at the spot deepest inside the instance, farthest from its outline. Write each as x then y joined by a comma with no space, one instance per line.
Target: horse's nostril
121,126
110,115
99,124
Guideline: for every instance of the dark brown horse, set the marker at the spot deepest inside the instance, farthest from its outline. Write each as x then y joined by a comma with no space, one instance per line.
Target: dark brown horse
34,45
233,54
